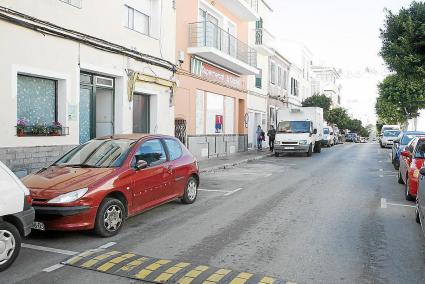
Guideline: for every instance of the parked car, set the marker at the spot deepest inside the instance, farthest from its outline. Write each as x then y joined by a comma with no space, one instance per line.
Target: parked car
328,137
16,216
387,127
362,139
420,200
101,183
351,137
400,144
411,161
388,138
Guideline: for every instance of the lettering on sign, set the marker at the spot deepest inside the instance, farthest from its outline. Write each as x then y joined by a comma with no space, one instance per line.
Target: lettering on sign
215,74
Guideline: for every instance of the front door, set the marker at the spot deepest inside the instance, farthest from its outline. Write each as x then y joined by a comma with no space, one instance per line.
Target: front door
85,116
141,106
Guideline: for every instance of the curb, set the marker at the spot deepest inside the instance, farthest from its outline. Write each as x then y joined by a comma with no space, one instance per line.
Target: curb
229,165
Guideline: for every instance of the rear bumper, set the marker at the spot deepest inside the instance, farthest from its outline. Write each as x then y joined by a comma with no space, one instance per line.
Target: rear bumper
26,218
73,218
291,149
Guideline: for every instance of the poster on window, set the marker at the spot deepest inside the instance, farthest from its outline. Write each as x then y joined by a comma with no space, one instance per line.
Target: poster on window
218,124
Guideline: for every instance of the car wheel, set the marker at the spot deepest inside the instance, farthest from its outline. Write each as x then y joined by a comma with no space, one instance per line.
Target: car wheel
10,245
276,154
110,217
418,218
407,193
310,151
191,191
400,179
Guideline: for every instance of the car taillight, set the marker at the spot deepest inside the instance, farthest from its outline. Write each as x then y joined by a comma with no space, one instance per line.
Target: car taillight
27,202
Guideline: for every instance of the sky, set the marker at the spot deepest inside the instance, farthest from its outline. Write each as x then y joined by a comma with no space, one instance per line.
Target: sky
343,34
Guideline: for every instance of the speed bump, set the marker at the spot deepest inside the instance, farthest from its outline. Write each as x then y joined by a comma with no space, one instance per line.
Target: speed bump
156,270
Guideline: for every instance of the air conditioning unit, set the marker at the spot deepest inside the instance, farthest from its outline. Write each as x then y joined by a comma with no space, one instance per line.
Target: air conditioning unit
104,82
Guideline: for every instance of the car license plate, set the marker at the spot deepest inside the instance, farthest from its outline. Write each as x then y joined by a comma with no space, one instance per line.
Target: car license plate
38,226
289,148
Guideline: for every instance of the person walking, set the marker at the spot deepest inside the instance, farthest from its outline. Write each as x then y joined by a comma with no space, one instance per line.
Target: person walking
272,135
260,138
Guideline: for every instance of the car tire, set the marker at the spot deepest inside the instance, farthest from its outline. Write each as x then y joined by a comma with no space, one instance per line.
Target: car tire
400,179
190,191
318,147
408,196
110,217
418,218
10,236
310,151
276,154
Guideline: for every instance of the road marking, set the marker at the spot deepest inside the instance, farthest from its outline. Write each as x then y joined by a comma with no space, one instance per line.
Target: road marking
381,170
53,268
234,191
384,204
108,245
214,190
52,250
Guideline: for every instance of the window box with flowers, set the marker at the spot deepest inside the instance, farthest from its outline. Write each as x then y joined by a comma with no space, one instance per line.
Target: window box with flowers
39,129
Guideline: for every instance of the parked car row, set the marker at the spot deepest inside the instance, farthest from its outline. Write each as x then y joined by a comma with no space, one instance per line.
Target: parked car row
355,138
408,157
96,186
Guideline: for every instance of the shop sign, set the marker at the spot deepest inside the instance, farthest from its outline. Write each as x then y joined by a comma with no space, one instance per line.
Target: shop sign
215,74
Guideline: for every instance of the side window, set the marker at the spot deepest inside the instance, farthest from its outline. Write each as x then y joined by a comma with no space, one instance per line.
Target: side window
411,146
152,152
420,149
174,149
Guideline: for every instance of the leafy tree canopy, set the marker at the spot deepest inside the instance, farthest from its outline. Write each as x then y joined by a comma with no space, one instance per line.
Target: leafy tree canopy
318,101
388,112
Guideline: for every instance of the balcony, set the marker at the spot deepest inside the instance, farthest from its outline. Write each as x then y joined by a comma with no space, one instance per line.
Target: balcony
246,10
264,41
212,43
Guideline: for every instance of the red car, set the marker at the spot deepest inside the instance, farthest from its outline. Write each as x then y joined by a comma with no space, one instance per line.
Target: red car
99,184
411,161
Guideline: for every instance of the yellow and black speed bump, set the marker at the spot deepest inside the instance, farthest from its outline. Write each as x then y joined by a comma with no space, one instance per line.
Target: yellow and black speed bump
157,270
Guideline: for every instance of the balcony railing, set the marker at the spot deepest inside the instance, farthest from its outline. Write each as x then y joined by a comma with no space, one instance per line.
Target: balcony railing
207,34
263,37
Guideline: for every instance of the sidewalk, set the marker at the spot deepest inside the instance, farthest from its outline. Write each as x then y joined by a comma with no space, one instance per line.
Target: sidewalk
233,160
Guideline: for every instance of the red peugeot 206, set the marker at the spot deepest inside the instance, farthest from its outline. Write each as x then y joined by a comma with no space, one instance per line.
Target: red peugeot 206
411,161
100,183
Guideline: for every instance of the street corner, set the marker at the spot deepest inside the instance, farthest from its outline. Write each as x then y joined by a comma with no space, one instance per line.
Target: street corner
156,270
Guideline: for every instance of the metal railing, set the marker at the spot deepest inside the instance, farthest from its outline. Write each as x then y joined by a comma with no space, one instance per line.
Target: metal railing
263,37
208,34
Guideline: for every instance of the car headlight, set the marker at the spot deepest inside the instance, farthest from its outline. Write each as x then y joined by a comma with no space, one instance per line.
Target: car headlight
416,173
69,197
303,142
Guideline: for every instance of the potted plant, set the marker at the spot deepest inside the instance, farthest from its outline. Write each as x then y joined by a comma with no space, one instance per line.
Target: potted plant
56,128
39,129
21,124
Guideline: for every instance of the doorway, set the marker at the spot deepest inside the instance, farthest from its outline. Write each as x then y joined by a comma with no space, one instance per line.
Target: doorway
141,114
96,116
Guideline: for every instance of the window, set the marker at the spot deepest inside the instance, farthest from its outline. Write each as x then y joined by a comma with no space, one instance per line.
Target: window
258,79
174,149
272,73
285,79
152,152
137,21
36,100
279,76
75,3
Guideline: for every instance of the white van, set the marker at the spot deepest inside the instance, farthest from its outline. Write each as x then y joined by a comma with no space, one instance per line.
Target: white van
16,216
328,137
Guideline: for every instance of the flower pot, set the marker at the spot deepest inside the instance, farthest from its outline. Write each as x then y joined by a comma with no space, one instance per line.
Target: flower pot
20,133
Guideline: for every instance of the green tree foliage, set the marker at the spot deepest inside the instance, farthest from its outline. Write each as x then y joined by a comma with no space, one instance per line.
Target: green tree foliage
338,116
318,101
388,112
403,41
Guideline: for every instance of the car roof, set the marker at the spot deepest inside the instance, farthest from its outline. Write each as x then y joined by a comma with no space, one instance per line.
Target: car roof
134,136
413,132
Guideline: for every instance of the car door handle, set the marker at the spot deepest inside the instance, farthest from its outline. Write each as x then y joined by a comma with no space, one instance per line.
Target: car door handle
169,169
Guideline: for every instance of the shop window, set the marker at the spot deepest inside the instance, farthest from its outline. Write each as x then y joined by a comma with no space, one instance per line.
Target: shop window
229,115
200,112
36,100
215,111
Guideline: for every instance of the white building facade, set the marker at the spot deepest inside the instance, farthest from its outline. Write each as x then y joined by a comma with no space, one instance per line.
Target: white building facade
72,74
326,81
258,88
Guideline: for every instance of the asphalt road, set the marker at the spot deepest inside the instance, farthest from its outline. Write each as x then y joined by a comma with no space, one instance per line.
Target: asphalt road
338,217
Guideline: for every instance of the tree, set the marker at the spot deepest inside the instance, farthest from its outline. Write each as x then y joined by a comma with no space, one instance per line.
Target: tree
403,41
405,96
338,116
388,112
318,101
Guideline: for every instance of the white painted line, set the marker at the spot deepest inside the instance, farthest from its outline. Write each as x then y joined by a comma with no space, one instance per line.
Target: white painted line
53,250
53,268
108,245
383,203
402,205
381,170
268,175
381,176
214,190
234,191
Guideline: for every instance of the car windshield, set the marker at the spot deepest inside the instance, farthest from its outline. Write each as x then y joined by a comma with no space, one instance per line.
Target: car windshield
326,131
294,127
98,154
406,139
391,133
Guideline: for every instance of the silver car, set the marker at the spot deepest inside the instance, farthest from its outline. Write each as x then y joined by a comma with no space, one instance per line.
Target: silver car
420,200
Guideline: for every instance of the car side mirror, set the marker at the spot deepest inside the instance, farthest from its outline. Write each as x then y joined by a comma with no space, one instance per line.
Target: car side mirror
422,171
405,154
141,164
315,131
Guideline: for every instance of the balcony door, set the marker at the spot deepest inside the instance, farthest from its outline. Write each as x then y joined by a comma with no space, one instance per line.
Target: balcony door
210,30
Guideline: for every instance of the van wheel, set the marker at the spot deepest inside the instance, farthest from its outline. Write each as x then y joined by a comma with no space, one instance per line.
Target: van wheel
190,192
109,218
310,151
10,245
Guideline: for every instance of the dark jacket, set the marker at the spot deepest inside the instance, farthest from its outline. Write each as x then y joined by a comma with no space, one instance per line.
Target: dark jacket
272,134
